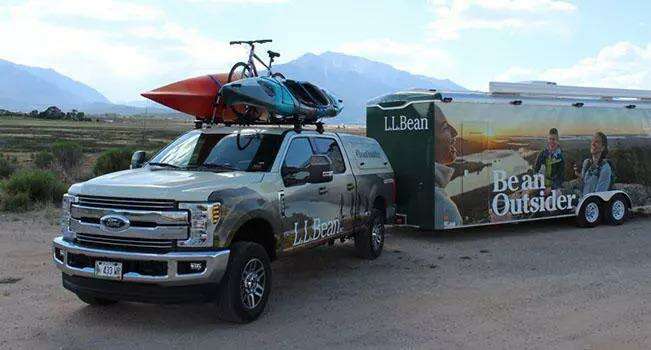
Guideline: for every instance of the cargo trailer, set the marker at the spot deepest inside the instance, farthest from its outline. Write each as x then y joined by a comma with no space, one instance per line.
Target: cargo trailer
520,152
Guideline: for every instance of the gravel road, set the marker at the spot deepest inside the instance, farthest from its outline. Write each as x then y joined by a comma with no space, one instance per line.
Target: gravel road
544,285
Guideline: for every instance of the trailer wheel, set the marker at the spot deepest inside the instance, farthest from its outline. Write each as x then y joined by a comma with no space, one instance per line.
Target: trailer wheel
245,287
591,213
95,301
369,243
617,210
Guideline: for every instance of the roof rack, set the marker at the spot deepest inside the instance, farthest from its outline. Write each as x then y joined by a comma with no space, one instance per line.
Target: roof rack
551,89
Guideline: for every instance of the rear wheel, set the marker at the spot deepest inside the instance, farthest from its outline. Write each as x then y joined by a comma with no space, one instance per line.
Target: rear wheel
369,243
246,113
245,288
278,75
617,210
591,213
94,301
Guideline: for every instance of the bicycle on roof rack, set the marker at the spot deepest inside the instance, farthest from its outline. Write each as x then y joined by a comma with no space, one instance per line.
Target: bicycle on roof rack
242,70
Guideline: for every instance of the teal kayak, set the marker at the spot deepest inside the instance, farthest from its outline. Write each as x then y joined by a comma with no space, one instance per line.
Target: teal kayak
286,98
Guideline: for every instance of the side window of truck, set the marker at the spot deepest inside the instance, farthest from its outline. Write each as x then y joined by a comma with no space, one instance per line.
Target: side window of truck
294,170
330,148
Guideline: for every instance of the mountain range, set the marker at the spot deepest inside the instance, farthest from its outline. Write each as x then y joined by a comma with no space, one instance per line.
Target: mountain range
353,79
356,80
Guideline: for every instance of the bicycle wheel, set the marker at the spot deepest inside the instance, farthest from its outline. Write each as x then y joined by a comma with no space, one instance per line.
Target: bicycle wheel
240,70
244,113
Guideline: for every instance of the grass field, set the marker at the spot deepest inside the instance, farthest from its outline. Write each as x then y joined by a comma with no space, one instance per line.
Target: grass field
23,137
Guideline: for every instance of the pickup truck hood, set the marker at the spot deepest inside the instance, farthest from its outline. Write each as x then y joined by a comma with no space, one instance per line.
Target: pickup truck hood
164,184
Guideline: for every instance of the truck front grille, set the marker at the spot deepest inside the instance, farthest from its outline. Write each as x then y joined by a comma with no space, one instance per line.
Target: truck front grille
127,203
124,242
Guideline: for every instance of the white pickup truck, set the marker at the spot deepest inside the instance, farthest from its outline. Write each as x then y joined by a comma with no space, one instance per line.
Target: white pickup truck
203,219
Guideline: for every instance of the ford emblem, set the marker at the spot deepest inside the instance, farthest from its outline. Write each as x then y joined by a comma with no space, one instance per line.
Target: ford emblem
114,223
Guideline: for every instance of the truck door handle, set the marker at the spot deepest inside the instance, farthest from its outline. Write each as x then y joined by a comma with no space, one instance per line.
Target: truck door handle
350,186
323,190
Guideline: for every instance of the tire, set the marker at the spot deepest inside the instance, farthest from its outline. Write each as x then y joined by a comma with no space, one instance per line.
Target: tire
248,263
245,113
240,70
95,301
617,210
369,243
591,213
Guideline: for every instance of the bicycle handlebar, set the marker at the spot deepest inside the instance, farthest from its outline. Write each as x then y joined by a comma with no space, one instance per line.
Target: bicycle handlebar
251,42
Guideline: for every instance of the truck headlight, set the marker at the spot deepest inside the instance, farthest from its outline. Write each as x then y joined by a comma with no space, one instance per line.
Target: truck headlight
203,219
66,204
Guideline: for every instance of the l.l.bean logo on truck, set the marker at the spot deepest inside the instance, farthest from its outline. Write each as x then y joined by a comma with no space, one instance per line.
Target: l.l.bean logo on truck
320,230
403,123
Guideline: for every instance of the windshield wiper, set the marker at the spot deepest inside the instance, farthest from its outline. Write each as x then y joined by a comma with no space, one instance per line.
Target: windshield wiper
165,165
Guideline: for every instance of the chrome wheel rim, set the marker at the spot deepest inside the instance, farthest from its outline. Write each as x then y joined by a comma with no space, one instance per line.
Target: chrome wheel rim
592,212
252,283
376,234
618,209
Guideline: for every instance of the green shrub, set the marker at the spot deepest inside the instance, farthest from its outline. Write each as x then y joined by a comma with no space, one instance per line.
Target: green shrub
38,185
7,166
18,202
43,159
112,160
68,154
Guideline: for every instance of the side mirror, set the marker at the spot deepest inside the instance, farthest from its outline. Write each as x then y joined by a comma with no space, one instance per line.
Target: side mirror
320,169
138,159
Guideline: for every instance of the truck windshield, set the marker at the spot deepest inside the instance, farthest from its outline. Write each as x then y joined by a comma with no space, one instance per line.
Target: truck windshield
242,151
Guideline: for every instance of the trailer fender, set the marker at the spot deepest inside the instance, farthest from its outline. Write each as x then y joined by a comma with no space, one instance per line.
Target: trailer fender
605,196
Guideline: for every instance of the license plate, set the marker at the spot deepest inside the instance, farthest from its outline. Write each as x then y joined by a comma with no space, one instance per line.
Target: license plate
108,269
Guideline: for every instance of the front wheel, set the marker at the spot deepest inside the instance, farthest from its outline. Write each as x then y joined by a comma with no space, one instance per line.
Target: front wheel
591,213
240,70
245,287
369,243
617,210
245,113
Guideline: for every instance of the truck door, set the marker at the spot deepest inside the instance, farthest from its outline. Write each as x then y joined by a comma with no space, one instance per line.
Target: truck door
343,188
307,216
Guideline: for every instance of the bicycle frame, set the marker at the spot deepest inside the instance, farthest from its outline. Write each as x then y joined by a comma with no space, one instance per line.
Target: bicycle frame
251,63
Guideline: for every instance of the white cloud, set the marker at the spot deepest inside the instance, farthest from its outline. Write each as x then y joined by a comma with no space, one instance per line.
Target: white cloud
456,16
103,10
415,58
244,2
119,60
622,65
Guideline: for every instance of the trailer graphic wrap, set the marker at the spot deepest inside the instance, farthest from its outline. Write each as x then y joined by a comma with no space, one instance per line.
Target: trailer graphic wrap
489,160
503,163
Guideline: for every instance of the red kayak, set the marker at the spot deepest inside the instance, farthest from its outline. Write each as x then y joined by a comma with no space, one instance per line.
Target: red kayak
195,96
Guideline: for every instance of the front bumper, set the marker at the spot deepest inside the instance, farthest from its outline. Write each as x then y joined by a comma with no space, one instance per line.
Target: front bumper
216,263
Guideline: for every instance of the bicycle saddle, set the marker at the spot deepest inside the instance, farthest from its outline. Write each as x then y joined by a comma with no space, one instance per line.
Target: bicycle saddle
273,54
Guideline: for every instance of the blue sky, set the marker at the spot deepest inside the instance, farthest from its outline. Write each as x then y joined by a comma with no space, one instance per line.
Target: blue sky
125,47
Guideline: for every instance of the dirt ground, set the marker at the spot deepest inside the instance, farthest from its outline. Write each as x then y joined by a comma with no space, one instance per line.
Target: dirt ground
545,285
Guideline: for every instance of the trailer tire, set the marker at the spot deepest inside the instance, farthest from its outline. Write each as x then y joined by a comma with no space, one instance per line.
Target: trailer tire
617,210
591,213
249,270
370,241
95,301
